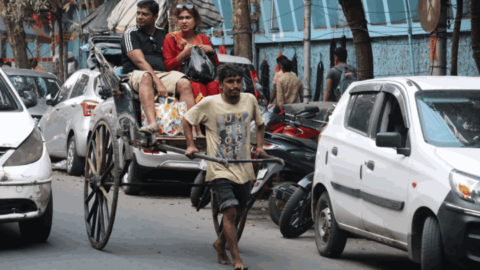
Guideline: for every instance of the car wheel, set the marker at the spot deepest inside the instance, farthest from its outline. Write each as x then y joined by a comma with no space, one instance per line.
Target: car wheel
75,165
296,217
433,255
196,193
133,175
38,229
330,239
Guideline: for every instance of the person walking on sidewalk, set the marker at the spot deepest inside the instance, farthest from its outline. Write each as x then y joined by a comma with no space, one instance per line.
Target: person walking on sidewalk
334,76
288,88
227,120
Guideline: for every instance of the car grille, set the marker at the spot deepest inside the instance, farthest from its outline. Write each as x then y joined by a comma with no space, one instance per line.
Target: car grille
10,206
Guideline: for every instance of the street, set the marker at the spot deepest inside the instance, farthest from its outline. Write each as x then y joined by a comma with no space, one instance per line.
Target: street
160,230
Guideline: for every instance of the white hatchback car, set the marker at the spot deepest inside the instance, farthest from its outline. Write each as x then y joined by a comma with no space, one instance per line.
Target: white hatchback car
399,164
25,168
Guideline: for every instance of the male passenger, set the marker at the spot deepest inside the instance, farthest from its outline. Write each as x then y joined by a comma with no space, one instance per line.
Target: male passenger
227,120
288,88
142,58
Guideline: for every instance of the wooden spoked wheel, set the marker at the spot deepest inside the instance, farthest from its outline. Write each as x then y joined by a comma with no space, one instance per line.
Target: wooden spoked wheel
102,180
218,219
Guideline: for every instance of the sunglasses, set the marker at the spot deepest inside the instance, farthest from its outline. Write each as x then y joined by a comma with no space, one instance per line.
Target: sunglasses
183,5
154,43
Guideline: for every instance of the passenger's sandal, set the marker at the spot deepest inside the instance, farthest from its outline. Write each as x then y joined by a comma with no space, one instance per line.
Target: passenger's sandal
149,129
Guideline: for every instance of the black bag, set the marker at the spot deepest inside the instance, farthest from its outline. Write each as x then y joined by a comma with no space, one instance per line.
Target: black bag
200,68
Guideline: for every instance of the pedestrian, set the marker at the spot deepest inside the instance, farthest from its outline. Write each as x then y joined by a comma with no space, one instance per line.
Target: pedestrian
8,64
334,76
143,63
288,88
227,120
34,65
1,62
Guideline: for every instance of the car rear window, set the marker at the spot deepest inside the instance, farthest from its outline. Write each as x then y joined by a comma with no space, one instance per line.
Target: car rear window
41,86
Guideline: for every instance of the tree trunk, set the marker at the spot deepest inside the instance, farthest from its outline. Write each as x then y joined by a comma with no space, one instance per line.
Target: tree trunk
456,37
242,29
61,69
16,40
475,7
355,15
172,20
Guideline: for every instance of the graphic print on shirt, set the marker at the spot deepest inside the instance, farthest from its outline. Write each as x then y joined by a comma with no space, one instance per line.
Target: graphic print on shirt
232,135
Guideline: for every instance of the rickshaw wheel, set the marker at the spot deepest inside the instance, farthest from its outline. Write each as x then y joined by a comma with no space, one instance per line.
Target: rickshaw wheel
218,220
102,182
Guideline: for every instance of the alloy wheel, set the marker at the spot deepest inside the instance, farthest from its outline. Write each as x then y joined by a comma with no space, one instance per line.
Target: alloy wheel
70,155
325,224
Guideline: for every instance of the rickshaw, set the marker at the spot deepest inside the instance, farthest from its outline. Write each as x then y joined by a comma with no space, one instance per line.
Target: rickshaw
109,153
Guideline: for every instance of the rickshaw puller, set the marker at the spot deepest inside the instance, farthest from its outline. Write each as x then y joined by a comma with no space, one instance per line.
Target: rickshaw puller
227,120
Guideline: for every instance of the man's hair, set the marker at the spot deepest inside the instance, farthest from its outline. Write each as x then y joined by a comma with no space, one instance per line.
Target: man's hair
194,12
8,64
33,62
1,61
227,71
150,4
286,64
341,54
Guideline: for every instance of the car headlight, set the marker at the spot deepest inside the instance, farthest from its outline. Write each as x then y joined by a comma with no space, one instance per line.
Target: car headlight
29,151
466,186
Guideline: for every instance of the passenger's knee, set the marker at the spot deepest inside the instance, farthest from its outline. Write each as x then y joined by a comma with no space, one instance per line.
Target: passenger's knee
184,86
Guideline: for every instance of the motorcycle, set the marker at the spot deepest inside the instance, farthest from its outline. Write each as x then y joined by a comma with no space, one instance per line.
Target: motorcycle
296,217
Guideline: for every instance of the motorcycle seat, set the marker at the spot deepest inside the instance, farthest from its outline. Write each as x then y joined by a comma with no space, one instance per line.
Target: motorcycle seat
306,143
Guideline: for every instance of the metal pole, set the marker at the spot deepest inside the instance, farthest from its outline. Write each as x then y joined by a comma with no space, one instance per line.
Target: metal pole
409,21
306,49
438,44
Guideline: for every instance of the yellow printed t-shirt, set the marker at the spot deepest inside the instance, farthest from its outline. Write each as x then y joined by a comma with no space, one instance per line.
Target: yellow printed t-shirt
228,134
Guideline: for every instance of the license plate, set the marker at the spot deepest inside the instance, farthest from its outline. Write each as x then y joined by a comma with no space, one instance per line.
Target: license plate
203,164
261,174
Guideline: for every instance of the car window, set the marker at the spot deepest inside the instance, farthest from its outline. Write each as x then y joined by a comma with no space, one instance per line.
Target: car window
41,86
98,83
66,89
361,111
391,119
80,87
8,101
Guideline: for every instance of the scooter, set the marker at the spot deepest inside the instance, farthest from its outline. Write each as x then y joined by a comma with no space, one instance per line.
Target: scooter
296,217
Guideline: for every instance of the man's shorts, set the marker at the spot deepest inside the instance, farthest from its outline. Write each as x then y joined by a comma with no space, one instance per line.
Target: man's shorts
230,194
169,79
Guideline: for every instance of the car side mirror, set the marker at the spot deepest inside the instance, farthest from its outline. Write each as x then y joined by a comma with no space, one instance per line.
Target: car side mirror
392,140
29,99
49,100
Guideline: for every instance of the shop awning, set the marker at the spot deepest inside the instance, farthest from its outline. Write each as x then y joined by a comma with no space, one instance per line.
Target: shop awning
96,22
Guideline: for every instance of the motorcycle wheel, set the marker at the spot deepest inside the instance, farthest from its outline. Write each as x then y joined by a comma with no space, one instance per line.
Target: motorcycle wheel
296,217
197,192
275,207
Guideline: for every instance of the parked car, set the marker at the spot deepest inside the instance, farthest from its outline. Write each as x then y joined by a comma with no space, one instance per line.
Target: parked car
398,164
40,83
25,168
65,124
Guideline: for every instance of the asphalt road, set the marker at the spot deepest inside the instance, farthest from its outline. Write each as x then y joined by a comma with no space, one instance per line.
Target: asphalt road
160,230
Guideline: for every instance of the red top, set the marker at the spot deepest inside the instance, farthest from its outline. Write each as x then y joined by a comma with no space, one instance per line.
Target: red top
173,46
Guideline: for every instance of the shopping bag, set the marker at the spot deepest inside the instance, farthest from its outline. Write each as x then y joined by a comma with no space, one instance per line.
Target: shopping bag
168,117
200,68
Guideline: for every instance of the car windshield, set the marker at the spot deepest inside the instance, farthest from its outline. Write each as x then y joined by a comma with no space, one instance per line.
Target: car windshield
41,86
8,101
450,118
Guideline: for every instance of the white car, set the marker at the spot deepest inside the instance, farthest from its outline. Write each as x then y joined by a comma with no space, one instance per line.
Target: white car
25,168
399,164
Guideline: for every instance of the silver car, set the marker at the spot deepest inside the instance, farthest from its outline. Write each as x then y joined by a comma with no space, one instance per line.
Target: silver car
65,124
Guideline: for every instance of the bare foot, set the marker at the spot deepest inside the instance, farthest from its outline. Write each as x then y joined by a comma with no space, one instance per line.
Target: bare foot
240,266
222,254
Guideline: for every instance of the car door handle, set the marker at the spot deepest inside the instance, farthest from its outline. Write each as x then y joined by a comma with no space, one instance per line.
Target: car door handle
73,105
361,168
370,165
334,151
56,108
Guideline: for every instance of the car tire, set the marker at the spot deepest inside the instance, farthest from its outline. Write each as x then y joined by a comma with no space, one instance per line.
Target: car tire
37,230
433,254
133,175
75,165
330,239
286,227
196,193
